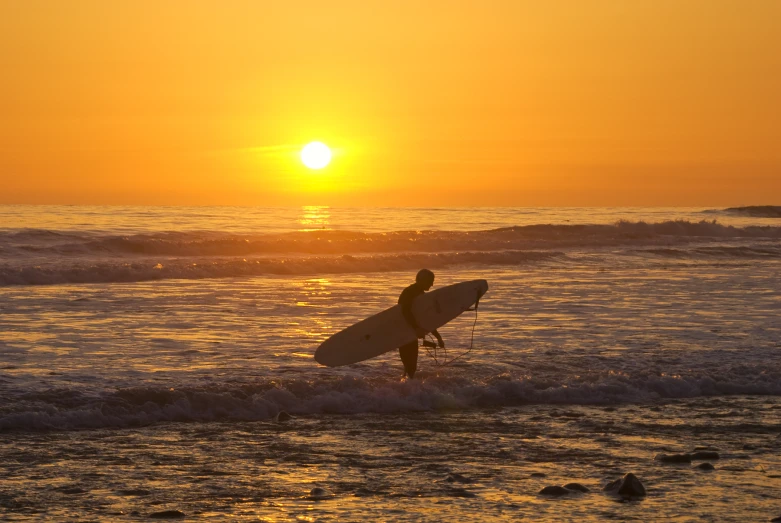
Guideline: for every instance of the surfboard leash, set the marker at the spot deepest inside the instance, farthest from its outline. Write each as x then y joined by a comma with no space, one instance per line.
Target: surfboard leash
431,344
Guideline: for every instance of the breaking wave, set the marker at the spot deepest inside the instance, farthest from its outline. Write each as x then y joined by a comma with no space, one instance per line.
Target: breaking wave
738,252
64,409
108,271
38,242
757,211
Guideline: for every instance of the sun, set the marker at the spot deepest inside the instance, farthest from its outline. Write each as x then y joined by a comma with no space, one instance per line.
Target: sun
316,155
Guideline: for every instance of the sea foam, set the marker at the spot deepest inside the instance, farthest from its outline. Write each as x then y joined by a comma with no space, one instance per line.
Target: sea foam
58,409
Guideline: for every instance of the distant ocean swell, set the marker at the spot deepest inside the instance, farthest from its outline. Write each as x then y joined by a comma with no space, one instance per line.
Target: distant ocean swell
63,409
39,257
738,252
755,211
40,242
189,268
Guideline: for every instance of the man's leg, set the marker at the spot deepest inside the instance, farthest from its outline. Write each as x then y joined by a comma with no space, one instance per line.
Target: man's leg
409,357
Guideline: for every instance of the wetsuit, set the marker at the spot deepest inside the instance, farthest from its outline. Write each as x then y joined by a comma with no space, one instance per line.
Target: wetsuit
409,351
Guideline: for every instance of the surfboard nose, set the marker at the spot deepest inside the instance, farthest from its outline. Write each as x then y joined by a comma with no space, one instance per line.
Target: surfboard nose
482,288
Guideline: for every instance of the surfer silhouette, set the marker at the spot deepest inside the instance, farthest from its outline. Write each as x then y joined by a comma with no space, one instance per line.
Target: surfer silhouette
409,351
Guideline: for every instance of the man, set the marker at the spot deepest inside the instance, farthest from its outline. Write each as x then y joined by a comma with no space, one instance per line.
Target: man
409,352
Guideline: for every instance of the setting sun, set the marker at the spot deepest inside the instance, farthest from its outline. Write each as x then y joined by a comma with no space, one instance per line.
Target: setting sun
316,155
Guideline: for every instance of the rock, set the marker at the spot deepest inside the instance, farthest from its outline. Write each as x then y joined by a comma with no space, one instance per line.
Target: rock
457,478
705,466
282,416
613,485
320,493
629,485
674,458
461,493
537,475
576,487
705,454
555,490
776,520
167,514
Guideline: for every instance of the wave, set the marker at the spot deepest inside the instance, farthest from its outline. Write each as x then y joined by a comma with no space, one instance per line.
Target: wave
737,252
757,211
114,272
333,242
65,409
38,257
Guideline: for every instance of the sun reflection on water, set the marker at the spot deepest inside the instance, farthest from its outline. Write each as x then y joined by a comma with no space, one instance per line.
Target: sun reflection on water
314,218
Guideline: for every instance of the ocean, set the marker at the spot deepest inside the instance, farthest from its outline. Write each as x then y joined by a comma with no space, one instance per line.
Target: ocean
160,359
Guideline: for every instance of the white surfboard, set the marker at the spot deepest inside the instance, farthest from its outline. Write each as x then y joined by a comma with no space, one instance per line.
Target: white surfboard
389,330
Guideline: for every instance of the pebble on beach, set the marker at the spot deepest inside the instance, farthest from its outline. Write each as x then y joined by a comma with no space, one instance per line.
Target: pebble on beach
558,490
555,490
454,477
461,493
673,458
320,493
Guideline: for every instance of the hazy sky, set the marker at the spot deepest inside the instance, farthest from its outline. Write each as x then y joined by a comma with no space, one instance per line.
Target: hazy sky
442,102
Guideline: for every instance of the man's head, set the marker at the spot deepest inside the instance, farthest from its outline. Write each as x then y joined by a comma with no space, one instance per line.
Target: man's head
425,278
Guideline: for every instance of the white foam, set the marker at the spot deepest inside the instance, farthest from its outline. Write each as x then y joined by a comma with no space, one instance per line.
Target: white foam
348,395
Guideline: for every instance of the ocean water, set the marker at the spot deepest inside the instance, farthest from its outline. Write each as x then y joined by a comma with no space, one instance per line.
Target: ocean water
146,355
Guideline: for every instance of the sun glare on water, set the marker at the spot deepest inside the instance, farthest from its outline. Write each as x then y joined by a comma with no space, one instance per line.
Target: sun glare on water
316,155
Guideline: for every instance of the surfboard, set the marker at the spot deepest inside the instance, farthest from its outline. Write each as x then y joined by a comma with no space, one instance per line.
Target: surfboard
389,330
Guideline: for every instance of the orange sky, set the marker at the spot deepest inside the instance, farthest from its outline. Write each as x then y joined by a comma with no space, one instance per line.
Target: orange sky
444,102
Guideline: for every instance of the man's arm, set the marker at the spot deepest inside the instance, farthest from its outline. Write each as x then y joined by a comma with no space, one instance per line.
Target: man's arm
439,339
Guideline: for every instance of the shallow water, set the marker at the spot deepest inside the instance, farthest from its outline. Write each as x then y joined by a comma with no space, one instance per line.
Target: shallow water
471,465
122,398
